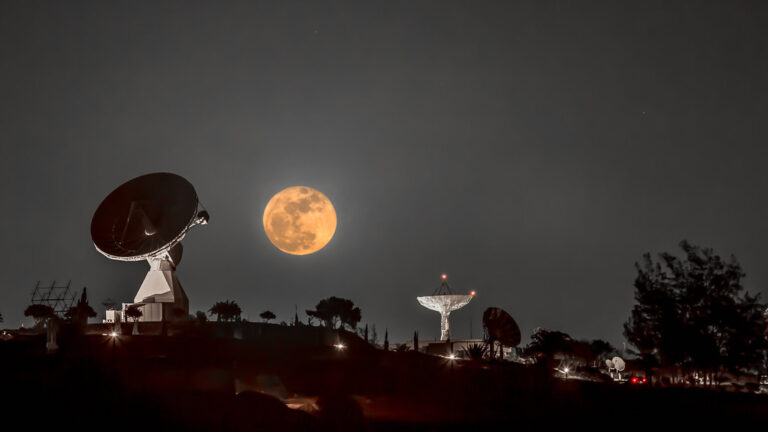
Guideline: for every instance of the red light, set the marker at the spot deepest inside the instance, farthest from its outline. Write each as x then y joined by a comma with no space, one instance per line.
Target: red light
444,276
634,380
644,380
472,293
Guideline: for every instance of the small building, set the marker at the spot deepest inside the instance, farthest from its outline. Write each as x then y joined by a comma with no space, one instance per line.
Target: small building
113,316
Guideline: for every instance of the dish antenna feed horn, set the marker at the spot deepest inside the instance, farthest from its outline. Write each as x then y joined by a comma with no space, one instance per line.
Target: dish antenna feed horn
145,219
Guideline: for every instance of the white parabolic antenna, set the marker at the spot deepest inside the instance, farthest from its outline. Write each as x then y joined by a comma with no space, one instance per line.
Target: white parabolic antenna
609,364
444,300
619,364
145,219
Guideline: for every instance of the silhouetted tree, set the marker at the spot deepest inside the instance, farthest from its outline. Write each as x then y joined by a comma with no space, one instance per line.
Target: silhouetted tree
39,312
600,351
374,337
267,316
80,313
201,317
546,344
386,339
365,333
1,317
694,314
134,312
227,310
334,311
416,341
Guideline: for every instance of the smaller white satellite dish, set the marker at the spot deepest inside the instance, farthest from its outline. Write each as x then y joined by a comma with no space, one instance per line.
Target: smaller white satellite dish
609,364
619,364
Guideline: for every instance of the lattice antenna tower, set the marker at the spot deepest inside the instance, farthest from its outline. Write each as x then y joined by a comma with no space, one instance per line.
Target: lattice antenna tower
59,297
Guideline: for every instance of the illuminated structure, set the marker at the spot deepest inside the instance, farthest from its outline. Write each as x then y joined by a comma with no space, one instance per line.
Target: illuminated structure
445,300
145,219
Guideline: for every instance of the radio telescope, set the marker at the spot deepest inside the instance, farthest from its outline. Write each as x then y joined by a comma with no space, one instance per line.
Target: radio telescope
445,300
145,219
501,328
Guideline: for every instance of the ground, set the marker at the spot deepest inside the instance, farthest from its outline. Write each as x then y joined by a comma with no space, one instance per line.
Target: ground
206,379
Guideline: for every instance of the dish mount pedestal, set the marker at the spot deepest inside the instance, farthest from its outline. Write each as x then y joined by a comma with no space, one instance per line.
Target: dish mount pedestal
161,293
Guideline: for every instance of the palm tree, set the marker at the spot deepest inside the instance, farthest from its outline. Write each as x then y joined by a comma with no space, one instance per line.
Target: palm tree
475,351
267,316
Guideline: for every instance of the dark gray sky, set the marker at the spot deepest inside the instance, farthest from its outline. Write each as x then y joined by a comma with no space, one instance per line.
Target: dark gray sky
530,150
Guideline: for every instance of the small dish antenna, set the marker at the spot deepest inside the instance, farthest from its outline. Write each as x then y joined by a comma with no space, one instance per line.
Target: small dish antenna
444,300
609,363
145,219
619,364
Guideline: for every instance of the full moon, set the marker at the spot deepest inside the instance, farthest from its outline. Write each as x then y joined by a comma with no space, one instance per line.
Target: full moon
299,220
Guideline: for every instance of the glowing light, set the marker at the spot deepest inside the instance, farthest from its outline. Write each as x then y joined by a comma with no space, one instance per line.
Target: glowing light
634,380
113,334
644,380
452,356
444,276
340,346
472,293
566,370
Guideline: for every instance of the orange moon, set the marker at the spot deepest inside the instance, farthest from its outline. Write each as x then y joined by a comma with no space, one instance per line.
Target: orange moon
299,220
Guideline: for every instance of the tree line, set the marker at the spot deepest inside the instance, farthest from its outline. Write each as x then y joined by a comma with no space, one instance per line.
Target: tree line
693,315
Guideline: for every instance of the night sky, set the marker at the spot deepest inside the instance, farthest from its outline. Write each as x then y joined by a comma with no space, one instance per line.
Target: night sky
533,151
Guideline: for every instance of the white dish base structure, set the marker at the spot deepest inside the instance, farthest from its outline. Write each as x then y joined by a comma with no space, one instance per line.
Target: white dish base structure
161,294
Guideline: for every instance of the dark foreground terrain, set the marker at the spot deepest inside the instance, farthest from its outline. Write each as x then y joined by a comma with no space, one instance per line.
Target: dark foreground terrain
292,378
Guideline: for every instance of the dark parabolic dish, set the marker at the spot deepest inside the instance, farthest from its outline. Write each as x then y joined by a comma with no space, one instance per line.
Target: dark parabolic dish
501,326
143,216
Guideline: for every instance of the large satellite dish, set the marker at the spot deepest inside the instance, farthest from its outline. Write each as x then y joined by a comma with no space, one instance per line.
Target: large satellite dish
444,300
145,219
501,327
